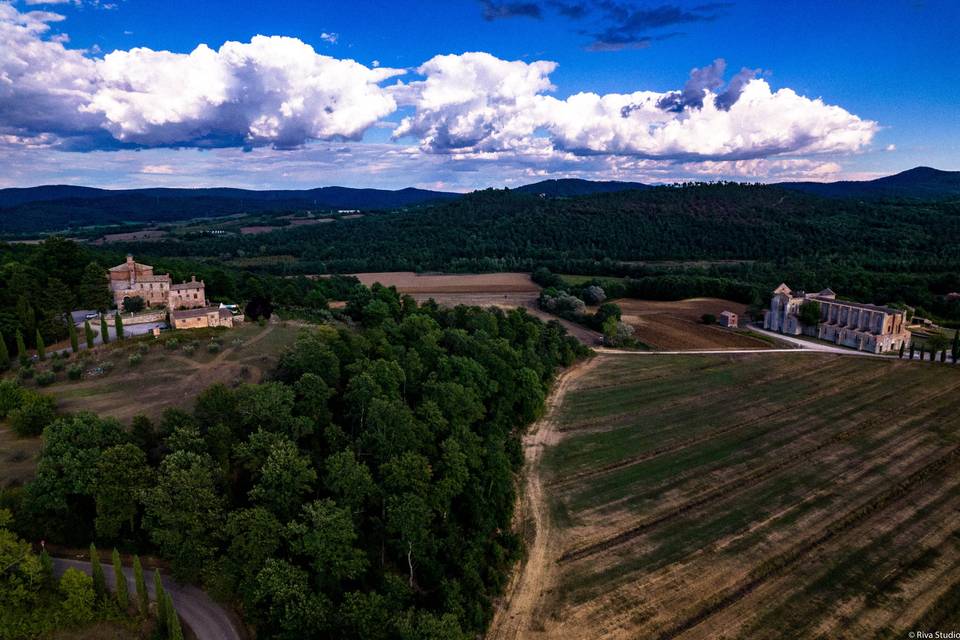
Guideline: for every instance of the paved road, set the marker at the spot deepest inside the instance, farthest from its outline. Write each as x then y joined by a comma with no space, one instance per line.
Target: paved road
207,619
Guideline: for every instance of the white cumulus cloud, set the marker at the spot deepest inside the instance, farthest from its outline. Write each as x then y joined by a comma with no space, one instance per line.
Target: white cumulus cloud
279,92
475,102
272,90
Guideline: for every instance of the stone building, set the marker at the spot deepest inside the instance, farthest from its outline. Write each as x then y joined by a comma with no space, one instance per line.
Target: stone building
203,317
865,327
729,319
132,279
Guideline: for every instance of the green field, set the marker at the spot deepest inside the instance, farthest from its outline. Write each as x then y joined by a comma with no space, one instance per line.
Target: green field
764,496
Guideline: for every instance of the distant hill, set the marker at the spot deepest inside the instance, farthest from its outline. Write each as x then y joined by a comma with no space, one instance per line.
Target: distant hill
56,207
568,187
323,196
62,207
922,183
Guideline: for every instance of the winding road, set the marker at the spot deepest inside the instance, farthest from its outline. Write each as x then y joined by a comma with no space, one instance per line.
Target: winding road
207,619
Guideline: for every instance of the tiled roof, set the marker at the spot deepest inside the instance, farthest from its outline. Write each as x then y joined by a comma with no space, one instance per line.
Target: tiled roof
125,267
187,285
183,314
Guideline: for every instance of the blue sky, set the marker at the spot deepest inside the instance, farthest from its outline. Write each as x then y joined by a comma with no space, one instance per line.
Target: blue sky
873,89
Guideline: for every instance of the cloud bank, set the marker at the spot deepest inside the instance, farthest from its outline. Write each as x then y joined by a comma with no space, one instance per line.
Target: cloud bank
280,93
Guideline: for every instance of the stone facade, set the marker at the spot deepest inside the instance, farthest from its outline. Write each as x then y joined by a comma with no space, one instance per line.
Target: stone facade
203,317
132,279
865,327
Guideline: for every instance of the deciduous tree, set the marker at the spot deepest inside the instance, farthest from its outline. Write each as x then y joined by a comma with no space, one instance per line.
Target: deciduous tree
122,473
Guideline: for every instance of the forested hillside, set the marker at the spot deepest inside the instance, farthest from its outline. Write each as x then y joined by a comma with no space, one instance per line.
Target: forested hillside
367,492
885,251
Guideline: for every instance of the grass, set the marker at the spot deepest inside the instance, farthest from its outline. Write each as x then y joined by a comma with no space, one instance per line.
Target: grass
683,485
170,377
18,457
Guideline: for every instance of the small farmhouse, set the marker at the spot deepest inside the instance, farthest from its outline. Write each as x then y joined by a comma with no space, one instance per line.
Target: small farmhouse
729,319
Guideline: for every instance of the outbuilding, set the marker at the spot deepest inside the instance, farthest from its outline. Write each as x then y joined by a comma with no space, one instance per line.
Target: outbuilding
729,319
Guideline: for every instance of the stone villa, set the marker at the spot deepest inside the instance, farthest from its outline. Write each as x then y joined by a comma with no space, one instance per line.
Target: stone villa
186,301
132,279
865,327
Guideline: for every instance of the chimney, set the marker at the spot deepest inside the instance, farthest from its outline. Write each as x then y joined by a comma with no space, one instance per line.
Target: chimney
193,278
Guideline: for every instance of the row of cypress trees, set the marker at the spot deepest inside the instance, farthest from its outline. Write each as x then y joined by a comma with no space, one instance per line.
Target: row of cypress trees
168,621
88,334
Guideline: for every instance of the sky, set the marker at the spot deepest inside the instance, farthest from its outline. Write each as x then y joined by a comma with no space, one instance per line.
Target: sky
464,94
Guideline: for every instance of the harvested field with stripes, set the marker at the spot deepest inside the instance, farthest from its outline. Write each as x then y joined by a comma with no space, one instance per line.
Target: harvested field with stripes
751,496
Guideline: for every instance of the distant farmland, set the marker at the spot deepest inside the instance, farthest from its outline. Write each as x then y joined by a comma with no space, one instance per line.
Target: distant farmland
762,496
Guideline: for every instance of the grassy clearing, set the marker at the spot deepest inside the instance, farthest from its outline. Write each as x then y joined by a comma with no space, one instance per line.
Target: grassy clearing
148,375
763,496
18,457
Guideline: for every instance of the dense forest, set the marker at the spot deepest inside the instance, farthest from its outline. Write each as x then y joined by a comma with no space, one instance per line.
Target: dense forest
365,492
751,236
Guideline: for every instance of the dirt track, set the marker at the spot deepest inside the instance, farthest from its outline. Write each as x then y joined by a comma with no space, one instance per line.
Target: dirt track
518,616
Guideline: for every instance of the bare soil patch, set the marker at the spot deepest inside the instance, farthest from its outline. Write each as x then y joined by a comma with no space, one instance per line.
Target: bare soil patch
427,283
143,235
677,324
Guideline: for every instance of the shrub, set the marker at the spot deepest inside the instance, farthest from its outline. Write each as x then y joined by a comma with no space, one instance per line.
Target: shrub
171,344
143,348
189,349
135,359
75,372
236,343
25,373
78,600
57,365
46,378
594,294
106,366
213,347
35,412
11,395
708,318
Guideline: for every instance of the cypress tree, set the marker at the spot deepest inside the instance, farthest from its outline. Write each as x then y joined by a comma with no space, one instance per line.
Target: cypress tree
41,347
88,334
900,353
161,597
118,325
104,330
123,595
22,349
99,580
911,352
943,355
4,354
174,631
46,563
74,340
143,598
955,350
